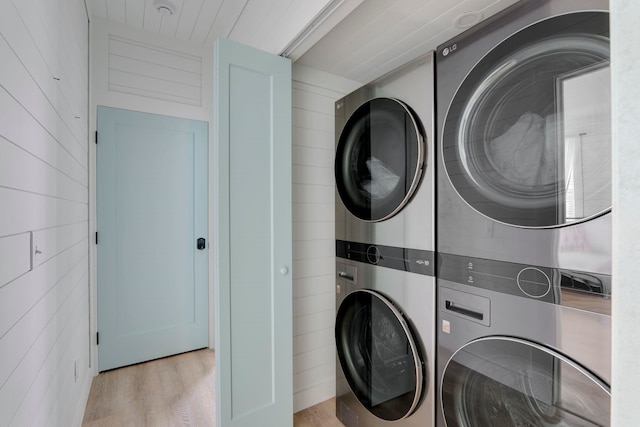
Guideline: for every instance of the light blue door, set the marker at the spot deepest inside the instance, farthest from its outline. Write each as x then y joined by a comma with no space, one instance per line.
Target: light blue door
253,245
151,176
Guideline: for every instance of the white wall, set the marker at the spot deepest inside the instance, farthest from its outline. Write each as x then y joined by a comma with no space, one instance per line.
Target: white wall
314,94
625,63
137,70
44,311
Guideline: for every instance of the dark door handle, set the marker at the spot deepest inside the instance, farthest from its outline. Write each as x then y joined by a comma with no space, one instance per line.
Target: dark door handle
202,243
463,310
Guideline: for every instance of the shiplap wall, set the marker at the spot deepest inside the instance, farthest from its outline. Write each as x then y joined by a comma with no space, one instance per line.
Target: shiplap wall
44,301
142,71
314,94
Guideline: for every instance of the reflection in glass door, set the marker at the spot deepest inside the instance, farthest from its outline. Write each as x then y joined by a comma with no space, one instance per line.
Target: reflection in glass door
379,355
379,159
501,381
585,106
527,136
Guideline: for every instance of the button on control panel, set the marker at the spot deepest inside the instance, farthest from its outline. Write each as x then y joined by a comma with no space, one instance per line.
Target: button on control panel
373,255
533,282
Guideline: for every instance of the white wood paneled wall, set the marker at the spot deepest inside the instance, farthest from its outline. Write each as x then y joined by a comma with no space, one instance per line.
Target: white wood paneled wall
314,95
138,70
44,276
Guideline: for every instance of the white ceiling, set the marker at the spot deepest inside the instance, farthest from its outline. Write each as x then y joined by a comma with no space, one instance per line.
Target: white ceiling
381,35
266,24
361,40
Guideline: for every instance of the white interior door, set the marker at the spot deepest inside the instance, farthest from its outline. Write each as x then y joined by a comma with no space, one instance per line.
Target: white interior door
253,239
151,210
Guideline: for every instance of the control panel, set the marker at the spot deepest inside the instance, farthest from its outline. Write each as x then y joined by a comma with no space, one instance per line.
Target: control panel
541,283
404,259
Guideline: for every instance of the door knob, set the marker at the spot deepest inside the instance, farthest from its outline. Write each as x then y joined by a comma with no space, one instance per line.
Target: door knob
284,271
201,243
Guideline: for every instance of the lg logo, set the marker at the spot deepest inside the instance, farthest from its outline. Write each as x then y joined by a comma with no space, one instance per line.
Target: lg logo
447,50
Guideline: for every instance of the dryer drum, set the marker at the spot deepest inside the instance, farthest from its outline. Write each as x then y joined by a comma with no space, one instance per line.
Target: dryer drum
527,138
378,355
379,159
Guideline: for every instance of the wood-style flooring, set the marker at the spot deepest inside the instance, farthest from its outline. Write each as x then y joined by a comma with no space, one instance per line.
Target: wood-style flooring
174,391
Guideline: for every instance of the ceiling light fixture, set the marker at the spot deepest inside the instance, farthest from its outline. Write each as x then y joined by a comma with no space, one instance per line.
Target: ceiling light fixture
311,27
164,7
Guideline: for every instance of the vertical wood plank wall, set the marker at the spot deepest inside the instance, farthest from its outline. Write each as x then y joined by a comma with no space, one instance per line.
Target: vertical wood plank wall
44,300
314,94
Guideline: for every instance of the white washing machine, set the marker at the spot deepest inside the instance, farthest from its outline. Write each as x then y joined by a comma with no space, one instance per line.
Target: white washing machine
385,285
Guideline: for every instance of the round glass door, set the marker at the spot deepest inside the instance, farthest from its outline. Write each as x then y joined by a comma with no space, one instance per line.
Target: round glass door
379,159
527,138
508,382
378,355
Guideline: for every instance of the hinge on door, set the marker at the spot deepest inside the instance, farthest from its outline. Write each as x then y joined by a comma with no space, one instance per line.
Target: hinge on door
97,338
96,237
96,137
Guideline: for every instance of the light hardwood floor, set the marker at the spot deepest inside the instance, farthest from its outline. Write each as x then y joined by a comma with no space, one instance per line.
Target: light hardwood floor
174,391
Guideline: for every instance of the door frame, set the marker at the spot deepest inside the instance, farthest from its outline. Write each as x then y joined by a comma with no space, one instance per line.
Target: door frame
203,114
100,31
184,131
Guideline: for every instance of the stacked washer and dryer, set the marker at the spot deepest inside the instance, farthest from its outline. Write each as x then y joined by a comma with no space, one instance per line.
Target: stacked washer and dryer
385,241
522,317
523,218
